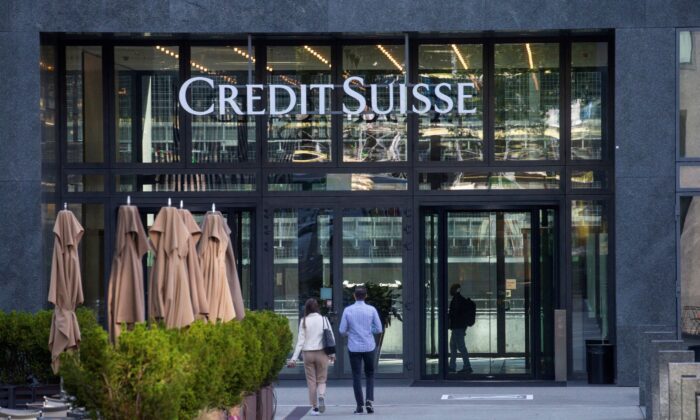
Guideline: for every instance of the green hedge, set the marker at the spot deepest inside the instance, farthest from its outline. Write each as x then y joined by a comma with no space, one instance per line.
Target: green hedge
24,345
159,373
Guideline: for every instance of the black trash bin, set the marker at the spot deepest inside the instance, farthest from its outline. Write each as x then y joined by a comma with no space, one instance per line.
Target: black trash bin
696,349
600,362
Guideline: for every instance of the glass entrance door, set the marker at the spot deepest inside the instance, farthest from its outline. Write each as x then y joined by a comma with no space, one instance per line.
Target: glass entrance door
483,301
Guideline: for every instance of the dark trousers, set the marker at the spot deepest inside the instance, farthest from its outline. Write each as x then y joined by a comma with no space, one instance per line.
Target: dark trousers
356,359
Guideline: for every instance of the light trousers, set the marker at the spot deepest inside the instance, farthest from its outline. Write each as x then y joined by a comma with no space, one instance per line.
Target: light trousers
316,369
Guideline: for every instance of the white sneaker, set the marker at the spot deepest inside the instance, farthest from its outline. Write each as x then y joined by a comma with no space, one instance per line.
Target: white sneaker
314,412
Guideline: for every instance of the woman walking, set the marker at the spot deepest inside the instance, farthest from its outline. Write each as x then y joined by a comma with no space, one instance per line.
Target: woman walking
310,341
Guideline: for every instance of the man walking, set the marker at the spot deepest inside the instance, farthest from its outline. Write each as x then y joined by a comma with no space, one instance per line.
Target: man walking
461,315
360,321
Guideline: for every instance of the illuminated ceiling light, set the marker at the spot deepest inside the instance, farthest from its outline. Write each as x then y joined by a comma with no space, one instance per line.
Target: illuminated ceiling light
317,55
529,56
390,57
459,56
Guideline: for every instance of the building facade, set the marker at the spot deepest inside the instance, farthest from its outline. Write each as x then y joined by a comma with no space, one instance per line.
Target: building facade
526,152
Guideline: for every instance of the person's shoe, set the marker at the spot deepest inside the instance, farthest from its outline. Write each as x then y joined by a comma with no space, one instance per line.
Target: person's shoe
314,412
368,406
466,369
321,404
358,410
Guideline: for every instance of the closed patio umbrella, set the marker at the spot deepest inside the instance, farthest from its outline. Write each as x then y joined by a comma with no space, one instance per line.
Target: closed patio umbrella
213,251
200,304
125,298
66,289
169,295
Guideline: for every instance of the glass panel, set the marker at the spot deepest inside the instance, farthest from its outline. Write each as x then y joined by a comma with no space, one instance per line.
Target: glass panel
209,182
516,292
527,102
690,267
48,220
302,135
302,263
689,97
432,294
589,261
459,181
689,177
85,183
147,84
243,236
338,182
370,136
48,113
547,286
373,257
589,79
92,253
452,136
84,116
220,138
595,179
471,273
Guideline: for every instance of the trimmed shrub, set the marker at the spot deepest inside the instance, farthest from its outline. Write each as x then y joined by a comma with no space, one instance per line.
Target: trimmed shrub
24,345
159,373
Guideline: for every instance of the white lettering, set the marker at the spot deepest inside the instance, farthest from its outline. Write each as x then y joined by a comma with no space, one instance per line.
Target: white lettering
321,96
361,102
224,99
303,100
375,101
461,96
421,98
273,97
183,95
446,99
251,98
403,98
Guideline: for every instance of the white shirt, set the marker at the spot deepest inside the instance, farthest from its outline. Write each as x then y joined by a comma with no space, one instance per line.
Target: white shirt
311,337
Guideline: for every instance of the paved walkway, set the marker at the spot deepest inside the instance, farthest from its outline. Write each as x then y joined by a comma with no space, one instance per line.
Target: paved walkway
402,401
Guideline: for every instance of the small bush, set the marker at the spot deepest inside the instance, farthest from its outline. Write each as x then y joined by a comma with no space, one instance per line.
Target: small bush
24,345
159,373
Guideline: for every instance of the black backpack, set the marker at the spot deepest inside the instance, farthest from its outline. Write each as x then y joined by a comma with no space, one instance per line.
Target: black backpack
470,309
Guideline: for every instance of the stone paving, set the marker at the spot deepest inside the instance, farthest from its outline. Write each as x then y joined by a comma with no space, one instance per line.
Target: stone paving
402,401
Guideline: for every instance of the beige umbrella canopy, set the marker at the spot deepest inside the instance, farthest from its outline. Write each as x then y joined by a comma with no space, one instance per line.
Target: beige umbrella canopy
169,296
125,296
219,267
200,304
66,289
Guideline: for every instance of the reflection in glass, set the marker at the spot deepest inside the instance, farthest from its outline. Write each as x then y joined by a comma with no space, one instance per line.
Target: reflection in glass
372,256
589,78
302,135
527,102
589,261
48,114
85,183
594,179
84,105
452,136
302,262
371,137
456,181
690,267
337,182
431,266
220,138
147,84
203,182
92,253
689,94
489,257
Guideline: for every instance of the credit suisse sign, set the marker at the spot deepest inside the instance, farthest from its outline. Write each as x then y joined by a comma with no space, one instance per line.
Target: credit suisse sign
444,98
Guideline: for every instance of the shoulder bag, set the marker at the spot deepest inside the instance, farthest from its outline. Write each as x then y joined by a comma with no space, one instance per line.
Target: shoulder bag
328,339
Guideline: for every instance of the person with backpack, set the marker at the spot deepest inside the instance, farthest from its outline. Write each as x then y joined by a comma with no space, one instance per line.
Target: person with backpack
462,314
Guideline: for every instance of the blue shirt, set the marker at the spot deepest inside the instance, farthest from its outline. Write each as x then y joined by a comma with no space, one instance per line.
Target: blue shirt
360,321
